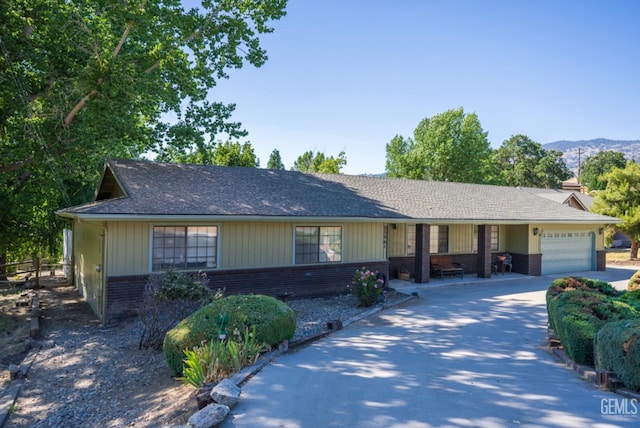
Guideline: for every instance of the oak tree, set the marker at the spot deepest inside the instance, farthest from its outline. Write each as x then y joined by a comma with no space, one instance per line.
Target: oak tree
82,81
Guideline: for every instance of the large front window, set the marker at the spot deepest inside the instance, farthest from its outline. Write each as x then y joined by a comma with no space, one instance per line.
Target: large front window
318,244
184,247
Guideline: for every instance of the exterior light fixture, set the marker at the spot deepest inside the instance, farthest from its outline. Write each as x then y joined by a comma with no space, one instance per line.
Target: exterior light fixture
535,231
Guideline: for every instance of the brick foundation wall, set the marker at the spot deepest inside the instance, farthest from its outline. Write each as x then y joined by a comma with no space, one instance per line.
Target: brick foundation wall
124,293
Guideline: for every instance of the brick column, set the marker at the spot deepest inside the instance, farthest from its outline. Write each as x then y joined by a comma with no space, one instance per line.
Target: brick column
484,251
423,259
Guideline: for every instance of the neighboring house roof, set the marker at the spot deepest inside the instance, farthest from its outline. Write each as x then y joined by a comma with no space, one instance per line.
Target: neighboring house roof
567,197
145,189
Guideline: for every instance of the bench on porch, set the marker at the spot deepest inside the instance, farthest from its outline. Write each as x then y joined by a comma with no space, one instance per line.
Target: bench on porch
445,266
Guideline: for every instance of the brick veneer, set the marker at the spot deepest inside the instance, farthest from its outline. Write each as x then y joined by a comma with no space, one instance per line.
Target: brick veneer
124,293
601,260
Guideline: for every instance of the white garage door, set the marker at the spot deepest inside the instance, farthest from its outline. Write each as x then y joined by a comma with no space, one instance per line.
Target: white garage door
566,252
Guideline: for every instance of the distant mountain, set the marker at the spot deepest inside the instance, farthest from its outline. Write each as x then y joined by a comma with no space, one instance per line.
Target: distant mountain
574,150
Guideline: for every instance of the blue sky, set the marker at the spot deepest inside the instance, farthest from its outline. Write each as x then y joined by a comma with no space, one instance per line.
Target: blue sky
349,75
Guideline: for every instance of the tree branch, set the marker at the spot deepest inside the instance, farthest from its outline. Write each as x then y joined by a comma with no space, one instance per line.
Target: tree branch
78,107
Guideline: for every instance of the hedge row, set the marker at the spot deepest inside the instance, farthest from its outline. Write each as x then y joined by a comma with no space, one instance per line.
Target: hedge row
578,308
617,348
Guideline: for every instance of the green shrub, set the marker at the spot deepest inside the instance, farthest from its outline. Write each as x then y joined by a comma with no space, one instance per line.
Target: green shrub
561,285
617,348
273,320
218,359
577,315
366,286
634,282
168,298
632,298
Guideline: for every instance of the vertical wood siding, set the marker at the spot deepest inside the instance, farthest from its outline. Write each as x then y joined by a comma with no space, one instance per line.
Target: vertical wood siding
397,240
255,244
87,250
460,238
128,247
363,242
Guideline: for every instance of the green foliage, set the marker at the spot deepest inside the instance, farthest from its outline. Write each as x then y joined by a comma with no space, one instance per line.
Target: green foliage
275,160
217,360
366,286
523,162
617,348
168,298
594,167
86,80
449,146
577,315
561,285
578,307
621,199
273,320
634,282
632,298
310,162
223,154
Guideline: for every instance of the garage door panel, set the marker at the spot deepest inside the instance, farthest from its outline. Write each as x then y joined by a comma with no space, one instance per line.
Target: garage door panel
566,252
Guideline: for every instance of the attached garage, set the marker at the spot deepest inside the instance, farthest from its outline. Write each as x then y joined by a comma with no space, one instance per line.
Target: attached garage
567,251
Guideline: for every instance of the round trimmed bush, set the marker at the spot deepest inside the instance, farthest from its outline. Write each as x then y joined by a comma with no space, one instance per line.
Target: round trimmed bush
274,322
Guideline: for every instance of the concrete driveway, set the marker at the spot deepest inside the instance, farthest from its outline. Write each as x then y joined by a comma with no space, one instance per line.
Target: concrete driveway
466,355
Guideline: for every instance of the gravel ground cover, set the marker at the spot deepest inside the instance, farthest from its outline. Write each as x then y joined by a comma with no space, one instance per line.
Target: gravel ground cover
89,376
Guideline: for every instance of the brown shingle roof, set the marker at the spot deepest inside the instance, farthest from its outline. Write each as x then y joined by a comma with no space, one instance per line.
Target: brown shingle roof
164,189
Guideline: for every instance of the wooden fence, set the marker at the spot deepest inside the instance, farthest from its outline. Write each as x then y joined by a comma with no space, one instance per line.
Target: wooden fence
29,270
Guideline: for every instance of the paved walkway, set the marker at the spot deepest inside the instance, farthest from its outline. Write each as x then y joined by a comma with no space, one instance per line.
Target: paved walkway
465,354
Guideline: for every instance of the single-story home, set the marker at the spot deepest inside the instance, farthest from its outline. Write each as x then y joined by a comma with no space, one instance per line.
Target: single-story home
285,232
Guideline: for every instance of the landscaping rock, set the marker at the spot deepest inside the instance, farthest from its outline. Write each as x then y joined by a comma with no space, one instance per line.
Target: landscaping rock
209,417
226,392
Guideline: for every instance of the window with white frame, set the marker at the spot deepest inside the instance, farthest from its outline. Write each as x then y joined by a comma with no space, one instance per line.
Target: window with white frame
439,239
318,244
495,238
411,239
184,247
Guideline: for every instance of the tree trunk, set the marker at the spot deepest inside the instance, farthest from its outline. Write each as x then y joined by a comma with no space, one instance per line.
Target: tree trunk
3,268
634,249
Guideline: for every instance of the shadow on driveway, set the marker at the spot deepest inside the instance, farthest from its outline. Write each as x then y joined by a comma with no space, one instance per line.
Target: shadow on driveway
467,355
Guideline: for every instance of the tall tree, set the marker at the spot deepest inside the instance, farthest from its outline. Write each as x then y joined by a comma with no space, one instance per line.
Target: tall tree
310,162
226,153
524,162
448,146
621,199
594,167
275,161
81,81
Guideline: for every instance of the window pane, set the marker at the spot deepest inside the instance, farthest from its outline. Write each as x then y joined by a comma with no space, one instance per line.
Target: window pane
330,244
411,239
180,247
439,239
495,238
307,238
433,239
316,244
